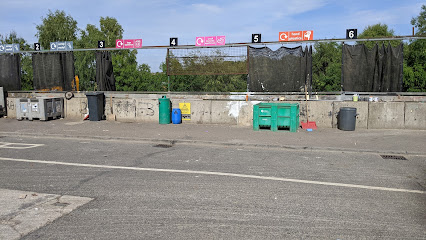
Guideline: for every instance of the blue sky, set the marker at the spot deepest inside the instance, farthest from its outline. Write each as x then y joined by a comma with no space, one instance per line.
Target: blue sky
155,21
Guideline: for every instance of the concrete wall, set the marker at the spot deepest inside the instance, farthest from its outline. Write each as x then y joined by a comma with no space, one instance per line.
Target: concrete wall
415,115
2,99
234,110
11,107
384,115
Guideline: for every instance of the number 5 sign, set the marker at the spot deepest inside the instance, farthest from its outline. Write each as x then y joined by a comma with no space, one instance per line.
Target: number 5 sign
256,38
351,34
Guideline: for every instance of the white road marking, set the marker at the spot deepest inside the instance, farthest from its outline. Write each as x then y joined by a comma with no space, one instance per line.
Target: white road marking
18,145
74,123
216,174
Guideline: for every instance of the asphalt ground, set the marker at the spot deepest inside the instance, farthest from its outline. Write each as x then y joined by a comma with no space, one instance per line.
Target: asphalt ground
150,181
386,141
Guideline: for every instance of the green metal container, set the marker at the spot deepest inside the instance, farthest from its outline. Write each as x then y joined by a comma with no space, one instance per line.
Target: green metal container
164,110
276,116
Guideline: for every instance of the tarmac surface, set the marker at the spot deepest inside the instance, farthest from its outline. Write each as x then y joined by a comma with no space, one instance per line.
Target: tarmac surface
20,211
386,141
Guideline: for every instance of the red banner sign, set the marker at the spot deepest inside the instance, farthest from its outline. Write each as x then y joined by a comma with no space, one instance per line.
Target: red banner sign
296,36
210,41
128,43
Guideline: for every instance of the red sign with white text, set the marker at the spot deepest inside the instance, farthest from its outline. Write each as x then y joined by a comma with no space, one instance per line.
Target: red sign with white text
296,36
210,41
128,43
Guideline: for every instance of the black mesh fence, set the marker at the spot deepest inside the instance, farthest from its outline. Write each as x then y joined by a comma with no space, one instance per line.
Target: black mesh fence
376,70
53,71
10,72
207,61
104,72
283,70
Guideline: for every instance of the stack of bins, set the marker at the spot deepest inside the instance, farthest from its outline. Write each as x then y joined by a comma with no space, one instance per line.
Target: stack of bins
276,116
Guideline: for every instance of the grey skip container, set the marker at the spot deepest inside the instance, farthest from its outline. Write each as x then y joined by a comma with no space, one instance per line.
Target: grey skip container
41,108
347,119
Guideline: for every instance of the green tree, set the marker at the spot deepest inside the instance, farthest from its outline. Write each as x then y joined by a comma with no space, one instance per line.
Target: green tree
85,64
216,70
128,75
111,29
415,57
326,67
124,61
420,22
378,31
57,26
26,60
125,70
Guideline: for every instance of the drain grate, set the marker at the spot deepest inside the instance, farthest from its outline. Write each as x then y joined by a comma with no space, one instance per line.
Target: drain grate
394,157
163,145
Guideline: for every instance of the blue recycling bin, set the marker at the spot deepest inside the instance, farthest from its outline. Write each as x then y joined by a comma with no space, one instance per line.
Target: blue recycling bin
176,116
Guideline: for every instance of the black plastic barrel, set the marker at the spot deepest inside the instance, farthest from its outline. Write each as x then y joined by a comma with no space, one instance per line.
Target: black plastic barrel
96,105
347,119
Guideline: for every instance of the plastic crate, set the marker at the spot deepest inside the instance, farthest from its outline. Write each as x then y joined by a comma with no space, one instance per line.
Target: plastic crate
276,116
39,108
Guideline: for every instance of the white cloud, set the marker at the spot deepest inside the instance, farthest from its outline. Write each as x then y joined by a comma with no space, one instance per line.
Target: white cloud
206,8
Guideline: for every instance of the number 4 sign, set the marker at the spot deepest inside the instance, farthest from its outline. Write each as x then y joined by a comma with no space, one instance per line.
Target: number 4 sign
173,42
351,34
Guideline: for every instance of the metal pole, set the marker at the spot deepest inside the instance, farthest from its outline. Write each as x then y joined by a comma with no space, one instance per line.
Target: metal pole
242,44
248,67
167,70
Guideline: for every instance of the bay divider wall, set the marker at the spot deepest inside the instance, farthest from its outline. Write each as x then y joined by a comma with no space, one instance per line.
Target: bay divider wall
391,111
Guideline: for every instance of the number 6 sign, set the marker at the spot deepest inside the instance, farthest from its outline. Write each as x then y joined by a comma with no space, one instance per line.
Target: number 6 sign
351,34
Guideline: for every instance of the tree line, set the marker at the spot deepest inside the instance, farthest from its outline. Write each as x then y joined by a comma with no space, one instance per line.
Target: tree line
131,76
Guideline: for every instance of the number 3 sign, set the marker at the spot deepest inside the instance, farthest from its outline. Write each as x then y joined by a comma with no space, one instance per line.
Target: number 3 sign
101,44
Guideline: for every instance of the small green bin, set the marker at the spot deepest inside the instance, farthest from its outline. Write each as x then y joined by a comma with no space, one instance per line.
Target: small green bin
276,116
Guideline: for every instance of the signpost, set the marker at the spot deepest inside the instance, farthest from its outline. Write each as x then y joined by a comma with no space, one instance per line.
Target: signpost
69,46
351,33
173,42
210,41
9,48
128,43
61,46
296,36
185,109
101,44
256,38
